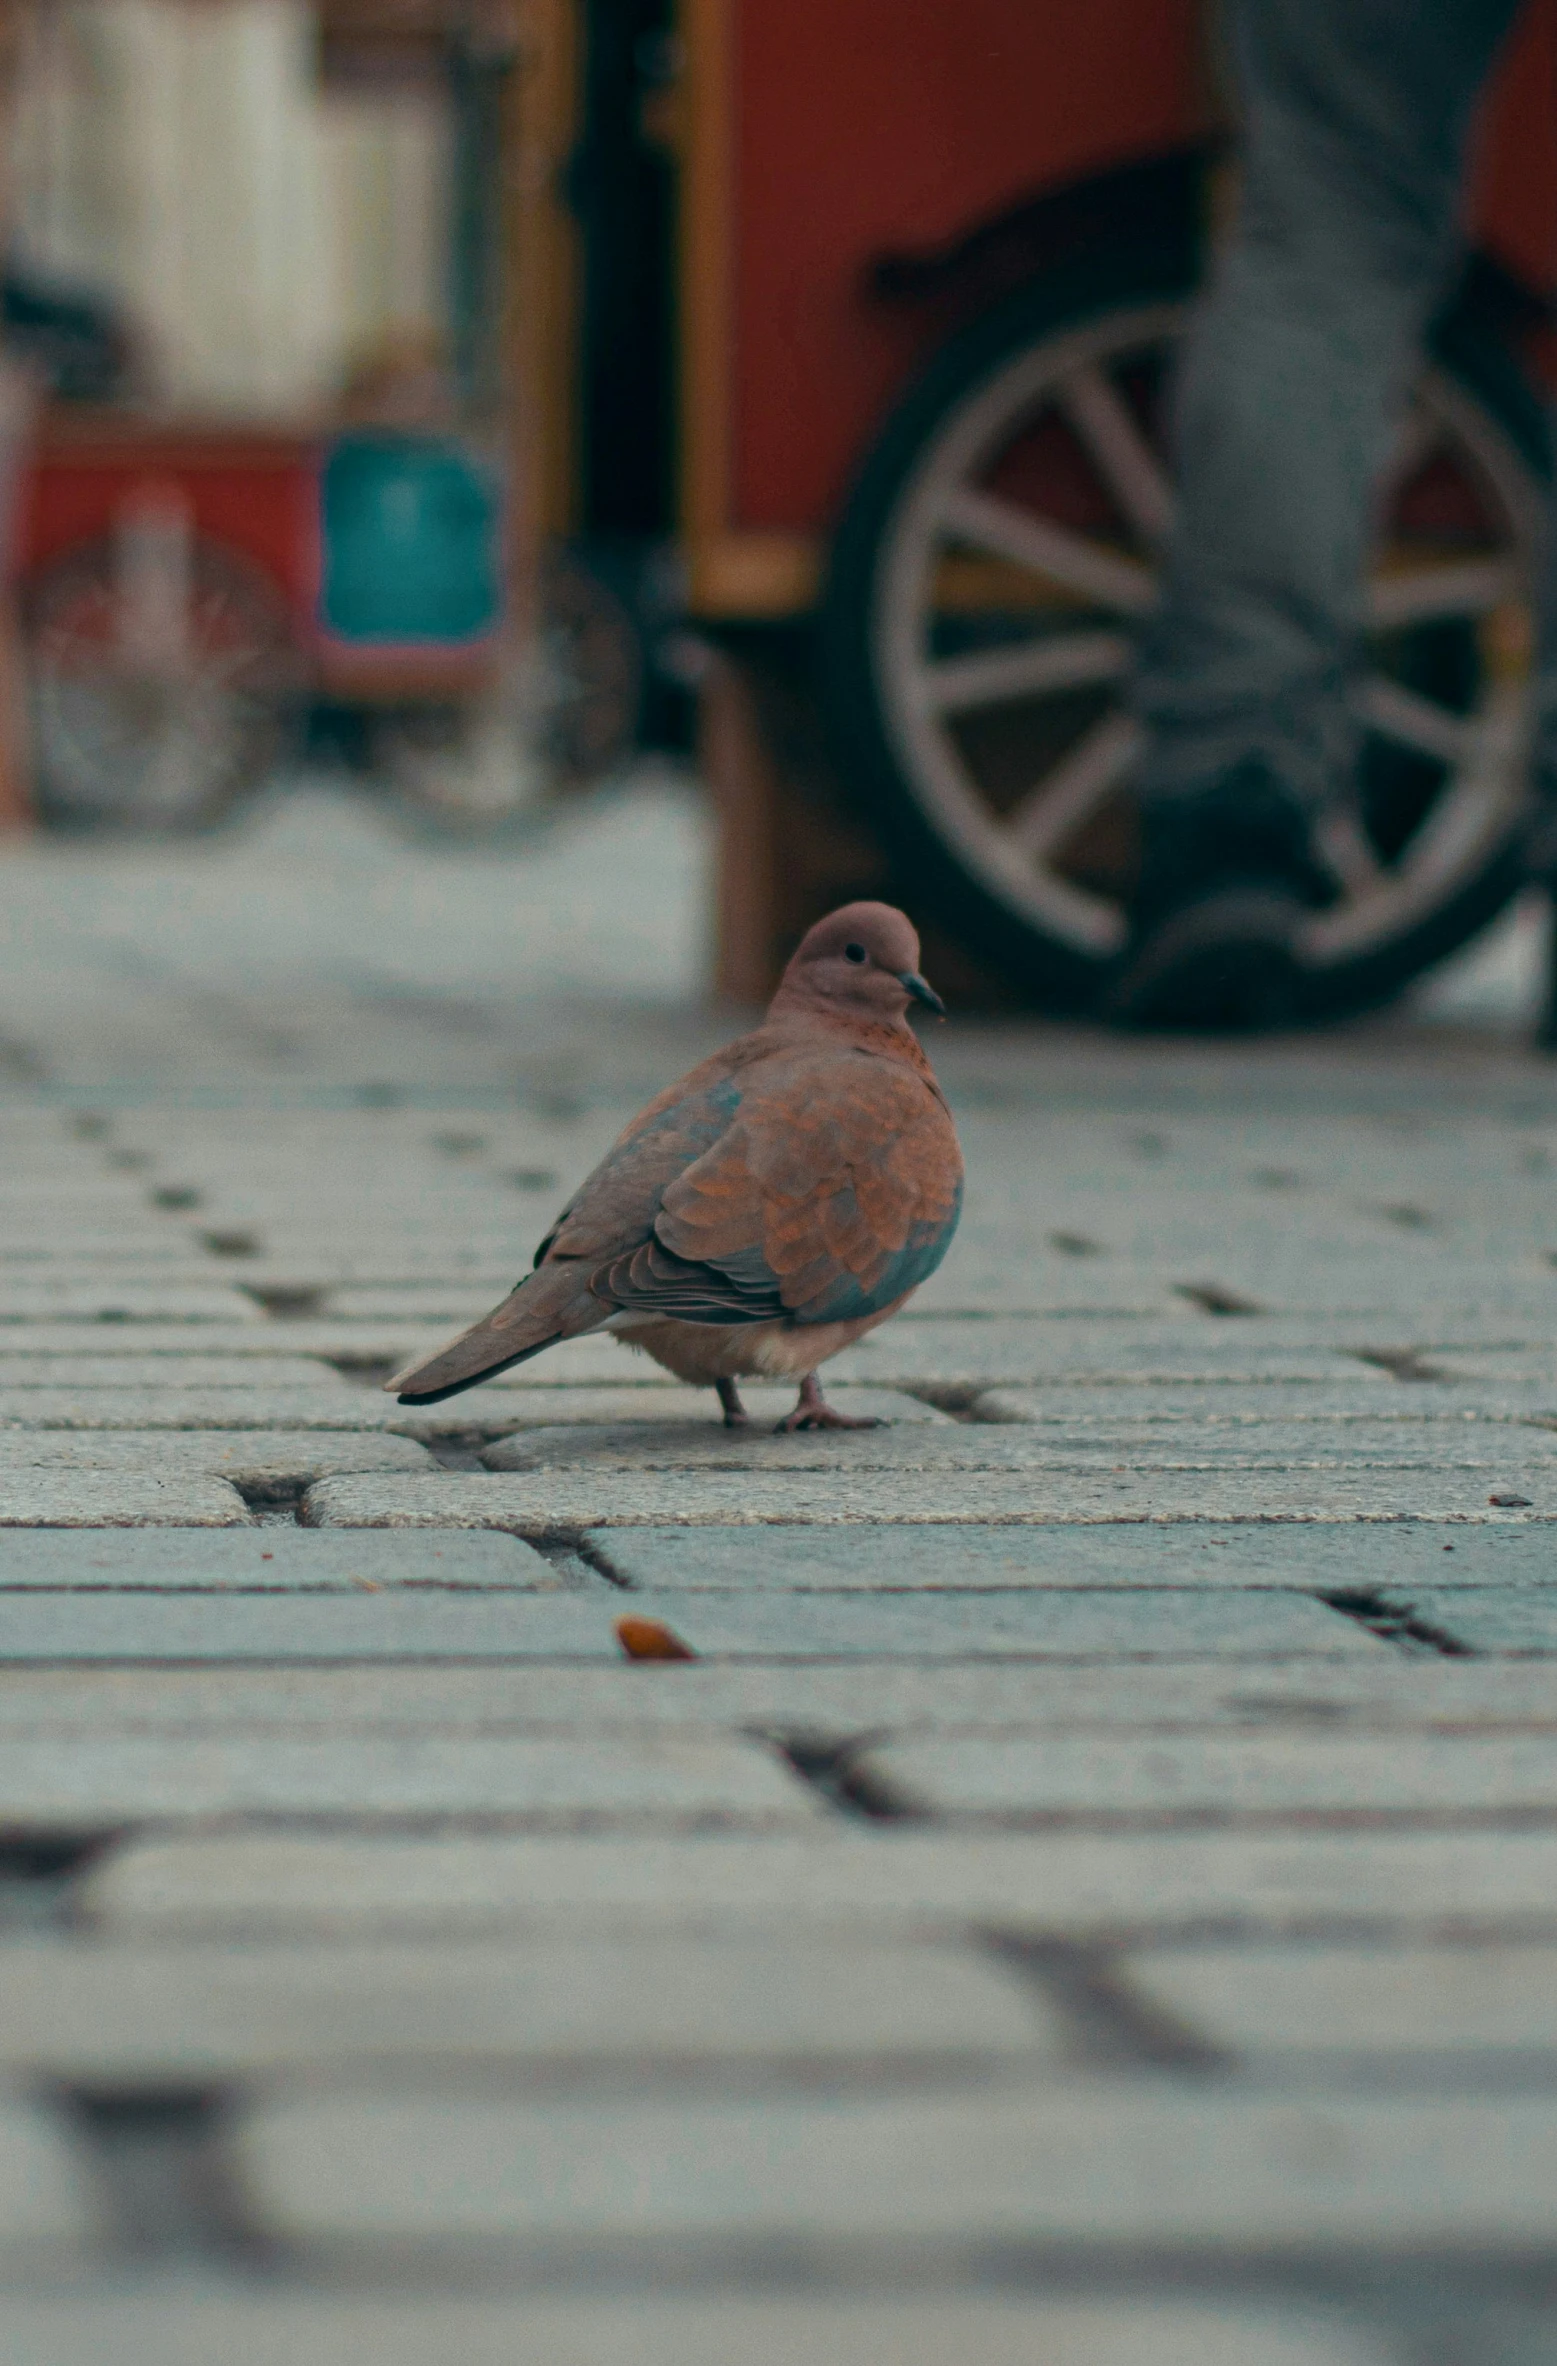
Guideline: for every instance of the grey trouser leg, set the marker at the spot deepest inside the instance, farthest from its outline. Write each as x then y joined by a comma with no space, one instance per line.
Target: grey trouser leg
1356,119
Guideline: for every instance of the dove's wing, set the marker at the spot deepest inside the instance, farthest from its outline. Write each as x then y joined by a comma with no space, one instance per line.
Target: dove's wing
834,1189
614,1208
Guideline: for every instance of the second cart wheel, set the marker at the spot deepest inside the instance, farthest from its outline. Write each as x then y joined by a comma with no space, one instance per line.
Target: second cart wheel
1000,545
591,673
564,721
161,670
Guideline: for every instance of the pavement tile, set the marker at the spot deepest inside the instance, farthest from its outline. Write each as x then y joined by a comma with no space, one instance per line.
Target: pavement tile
1389,1694
669,1778
641,1449
1506,1451
1354,1279
394,1623
652,2329
263,1459
79,1298
1219,1776
1316,1556
181,1401
437,1270
1013,1349
610,1421
186,1405
259,1559
1053,1622
1482,2000
1091,2165
138,1252
893,1876
1255,1411
623,1496
36,1373
450,1303
1500,1367
117,1499
192,1270
1493,1619
55,1199
256,1340
424,1241
145,2013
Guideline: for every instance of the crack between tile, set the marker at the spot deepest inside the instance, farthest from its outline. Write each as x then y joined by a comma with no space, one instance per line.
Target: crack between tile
161,2160
1109,2021
1396,1622
830,1765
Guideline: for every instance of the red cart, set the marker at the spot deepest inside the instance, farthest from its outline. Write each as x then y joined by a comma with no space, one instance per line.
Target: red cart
180,625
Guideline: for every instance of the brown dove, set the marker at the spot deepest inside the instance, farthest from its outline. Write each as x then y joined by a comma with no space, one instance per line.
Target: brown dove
781,1200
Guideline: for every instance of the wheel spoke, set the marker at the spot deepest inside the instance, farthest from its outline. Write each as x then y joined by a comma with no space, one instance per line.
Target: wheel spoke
1423,595
153,585
1346,847
1089,569
1081,782
1067,662
1416,722
1448,837
1112,434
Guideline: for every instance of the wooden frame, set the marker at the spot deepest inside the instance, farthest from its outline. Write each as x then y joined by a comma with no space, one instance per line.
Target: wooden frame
541,331
730,572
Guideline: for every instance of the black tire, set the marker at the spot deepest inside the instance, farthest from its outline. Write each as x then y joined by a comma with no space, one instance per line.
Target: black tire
957,882
493,769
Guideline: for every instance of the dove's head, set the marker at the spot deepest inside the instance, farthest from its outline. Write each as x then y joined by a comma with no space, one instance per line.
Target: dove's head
861,962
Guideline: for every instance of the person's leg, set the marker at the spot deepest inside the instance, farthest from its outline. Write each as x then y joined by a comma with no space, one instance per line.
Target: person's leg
1357,114
1356,119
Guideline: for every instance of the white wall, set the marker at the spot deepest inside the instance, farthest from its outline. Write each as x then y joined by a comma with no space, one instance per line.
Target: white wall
179,154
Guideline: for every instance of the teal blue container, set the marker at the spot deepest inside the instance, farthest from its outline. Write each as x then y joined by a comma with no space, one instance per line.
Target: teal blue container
410,540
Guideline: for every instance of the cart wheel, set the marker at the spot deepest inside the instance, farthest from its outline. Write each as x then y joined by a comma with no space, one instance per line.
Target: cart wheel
495,765
161,669
1000,544
466,770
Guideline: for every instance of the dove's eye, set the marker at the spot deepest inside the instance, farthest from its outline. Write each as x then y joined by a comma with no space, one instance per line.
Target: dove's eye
855,953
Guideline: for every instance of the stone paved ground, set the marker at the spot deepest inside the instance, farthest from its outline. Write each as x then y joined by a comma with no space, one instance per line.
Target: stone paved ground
1090,1900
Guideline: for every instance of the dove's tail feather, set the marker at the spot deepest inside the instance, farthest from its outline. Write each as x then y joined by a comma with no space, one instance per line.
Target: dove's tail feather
471,1359
533,1317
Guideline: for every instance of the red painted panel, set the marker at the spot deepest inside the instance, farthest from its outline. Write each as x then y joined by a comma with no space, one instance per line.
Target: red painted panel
874,124
257,495
1516,209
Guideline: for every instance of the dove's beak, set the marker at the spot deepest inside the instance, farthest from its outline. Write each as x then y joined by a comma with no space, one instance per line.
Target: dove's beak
915,985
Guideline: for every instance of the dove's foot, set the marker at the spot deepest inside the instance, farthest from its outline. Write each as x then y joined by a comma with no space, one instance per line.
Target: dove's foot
814,1412
730,1399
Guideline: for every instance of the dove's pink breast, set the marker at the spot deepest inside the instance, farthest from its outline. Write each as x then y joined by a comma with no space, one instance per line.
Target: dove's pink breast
705,1352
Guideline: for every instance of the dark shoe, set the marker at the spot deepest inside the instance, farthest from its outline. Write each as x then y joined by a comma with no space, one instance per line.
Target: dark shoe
1227,880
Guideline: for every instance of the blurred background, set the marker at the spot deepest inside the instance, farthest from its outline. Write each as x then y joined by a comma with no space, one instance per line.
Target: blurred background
429,429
